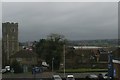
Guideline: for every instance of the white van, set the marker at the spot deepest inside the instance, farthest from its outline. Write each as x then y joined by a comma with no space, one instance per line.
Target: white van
70,77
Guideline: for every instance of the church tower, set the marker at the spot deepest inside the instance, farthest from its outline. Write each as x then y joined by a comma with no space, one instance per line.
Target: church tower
9,41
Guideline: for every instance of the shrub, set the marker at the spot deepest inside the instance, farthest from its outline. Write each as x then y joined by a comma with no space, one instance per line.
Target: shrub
16,66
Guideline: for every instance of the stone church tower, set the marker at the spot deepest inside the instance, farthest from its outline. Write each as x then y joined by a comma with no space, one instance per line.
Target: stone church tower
9,41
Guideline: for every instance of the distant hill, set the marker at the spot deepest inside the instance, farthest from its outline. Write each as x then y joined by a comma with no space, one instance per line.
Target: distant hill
100,42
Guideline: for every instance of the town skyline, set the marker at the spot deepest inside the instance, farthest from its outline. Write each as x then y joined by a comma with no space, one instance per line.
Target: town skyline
76,21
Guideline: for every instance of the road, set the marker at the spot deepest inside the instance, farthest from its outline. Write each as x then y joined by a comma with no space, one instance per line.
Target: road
44,75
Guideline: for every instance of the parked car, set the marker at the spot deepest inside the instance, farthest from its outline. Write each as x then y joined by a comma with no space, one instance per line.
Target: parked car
105,76
70,77
37,70
56,77
92,76
3,71
7,68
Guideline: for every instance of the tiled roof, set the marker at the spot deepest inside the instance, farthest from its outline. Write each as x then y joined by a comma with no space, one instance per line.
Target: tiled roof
24,54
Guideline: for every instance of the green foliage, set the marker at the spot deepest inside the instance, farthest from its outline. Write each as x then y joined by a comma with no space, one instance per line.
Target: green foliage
40,48
50,48
16,66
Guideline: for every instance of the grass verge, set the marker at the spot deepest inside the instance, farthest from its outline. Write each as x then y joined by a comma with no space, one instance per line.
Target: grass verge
82,70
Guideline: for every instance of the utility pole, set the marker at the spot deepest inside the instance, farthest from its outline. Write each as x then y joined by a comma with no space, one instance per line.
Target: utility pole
52,64
64,58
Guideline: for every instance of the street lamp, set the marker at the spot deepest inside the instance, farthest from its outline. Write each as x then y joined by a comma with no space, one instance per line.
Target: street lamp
52,64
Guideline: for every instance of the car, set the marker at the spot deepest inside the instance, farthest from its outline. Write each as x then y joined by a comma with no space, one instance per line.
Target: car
105,76
92,76
7,68
3,70
70,77
36,70
56,77
100,77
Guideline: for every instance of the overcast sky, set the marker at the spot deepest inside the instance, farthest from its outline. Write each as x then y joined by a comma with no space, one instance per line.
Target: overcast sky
76,21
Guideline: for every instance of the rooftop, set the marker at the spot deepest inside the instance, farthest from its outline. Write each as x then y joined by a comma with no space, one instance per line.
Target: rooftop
24,54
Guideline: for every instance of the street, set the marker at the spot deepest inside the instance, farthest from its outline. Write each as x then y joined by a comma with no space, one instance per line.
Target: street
44,75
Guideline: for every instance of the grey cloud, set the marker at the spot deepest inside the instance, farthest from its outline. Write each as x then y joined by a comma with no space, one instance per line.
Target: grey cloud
74,20
0,20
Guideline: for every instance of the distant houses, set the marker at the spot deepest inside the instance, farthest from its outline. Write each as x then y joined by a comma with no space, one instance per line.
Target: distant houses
26,58
86,56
